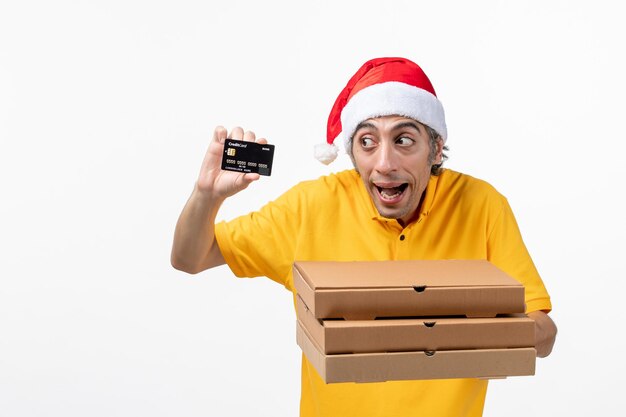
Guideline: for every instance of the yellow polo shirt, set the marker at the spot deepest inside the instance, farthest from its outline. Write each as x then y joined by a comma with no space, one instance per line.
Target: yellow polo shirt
334,219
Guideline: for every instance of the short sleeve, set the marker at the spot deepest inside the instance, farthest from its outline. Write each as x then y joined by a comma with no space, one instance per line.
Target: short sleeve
263,243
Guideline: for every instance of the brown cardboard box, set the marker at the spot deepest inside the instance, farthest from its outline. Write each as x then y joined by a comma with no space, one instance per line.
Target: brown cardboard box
379,367
444,333
366,290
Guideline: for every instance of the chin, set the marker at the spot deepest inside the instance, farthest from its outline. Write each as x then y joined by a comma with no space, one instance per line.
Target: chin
391,214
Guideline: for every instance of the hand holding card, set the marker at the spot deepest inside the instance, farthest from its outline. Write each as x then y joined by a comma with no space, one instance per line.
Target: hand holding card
215,183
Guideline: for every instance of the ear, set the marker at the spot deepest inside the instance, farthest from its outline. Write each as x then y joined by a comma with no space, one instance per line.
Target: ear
439,153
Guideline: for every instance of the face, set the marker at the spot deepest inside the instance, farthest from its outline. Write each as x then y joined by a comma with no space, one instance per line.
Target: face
391,154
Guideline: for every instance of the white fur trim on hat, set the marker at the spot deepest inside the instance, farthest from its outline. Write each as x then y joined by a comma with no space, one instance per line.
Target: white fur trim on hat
393,98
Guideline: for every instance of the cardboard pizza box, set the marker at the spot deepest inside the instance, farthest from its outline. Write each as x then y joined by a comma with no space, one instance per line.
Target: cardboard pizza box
370,289
407,334
391,366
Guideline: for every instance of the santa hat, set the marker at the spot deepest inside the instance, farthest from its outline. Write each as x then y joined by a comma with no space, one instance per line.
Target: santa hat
382,87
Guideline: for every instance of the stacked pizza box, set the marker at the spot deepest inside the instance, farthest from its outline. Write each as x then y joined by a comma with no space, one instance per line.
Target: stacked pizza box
422,319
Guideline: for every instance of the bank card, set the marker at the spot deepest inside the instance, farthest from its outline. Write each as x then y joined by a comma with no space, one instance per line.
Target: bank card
247,157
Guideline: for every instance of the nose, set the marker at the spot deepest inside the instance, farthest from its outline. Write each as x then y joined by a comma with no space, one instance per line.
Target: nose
385,158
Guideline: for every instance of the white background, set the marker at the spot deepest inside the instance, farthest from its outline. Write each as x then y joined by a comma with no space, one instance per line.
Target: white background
106,109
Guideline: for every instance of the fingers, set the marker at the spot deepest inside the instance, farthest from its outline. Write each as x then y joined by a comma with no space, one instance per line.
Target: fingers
249,136
220,134
236,133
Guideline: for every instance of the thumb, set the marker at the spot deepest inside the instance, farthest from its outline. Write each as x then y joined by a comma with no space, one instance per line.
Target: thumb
243,181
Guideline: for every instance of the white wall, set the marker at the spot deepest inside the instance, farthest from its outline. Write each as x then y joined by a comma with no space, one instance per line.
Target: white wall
106,109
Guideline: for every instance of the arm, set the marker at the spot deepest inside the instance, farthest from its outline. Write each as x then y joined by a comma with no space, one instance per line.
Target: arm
545,333
508,251
195,248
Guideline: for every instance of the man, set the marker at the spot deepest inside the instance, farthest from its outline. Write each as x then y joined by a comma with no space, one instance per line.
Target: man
398,203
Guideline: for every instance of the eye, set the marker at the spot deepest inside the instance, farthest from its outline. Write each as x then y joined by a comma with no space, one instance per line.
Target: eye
405,141
367,142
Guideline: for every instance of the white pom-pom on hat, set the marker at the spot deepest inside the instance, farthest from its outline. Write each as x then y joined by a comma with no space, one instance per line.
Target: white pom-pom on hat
326,152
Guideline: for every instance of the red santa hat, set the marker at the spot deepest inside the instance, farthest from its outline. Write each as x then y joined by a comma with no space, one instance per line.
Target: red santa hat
382,87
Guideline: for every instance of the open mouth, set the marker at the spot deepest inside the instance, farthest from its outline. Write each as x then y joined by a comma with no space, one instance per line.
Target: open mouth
391,194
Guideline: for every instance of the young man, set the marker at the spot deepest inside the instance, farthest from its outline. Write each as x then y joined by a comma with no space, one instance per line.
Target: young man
398,203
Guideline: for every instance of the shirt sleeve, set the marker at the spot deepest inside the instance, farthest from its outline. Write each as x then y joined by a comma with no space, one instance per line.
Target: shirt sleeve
507,250
263,243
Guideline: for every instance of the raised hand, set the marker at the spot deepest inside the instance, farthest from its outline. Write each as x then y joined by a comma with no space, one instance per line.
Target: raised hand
213,182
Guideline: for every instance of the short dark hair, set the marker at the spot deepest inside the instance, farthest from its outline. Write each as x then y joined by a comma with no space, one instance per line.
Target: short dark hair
435,137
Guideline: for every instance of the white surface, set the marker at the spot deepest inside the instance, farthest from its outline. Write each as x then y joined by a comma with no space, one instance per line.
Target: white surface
106,109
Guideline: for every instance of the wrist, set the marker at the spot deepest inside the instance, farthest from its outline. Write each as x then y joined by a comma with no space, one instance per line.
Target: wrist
206,198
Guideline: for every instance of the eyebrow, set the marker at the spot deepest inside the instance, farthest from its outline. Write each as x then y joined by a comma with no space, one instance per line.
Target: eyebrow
362,125
404,125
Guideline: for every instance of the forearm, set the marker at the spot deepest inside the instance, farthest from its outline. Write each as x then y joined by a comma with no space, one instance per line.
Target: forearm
194,248
545,333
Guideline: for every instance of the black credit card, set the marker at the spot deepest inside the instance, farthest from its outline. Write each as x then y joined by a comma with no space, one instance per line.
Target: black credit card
242,156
